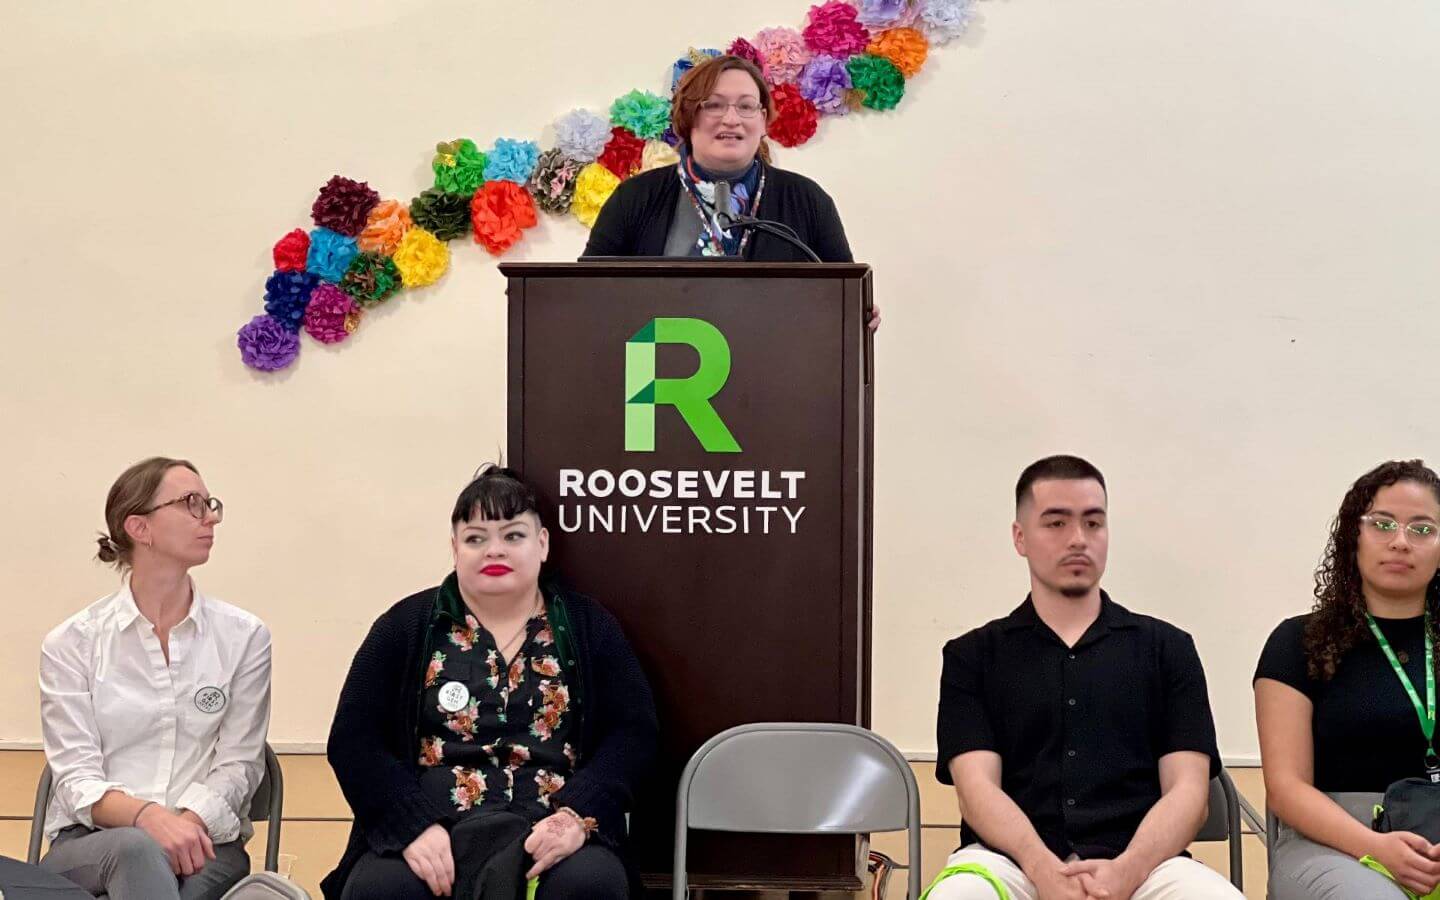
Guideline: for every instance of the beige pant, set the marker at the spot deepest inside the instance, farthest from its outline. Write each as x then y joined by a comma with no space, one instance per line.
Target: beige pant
1180,878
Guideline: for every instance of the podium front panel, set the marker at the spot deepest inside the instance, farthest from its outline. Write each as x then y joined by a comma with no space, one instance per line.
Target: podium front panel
699,438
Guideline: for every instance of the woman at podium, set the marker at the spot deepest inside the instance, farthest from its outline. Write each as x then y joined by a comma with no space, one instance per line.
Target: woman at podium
720,111
491,730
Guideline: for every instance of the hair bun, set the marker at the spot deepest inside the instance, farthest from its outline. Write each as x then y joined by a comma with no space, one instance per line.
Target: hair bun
109,551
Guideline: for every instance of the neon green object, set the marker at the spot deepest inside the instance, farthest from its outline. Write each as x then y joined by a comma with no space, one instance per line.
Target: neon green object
531,887
1371,862
969,869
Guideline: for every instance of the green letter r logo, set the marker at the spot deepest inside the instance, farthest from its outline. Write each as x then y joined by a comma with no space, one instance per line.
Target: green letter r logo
690,396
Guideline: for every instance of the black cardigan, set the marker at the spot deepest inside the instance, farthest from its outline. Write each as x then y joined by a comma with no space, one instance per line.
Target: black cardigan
636,219
374,752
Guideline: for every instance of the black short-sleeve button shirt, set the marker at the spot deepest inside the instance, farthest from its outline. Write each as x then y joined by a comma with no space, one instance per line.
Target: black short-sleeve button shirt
1079,730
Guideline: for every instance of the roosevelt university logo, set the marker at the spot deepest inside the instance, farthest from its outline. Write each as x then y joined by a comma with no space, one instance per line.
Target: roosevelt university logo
690,396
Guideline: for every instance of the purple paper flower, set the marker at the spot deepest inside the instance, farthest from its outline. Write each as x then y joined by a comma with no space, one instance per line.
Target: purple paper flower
881,13
824,81
267,345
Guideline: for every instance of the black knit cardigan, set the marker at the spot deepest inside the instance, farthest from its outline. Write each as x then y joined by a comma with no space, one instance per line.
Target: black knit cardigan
374,750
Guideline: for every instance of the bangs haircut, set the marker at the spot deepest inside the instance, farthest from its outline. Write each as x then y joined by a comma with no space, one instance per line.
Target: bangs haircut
495,494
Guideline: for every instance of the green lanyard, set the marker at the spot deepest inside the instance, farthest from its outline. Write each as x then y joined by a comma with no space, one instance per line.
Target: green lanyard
1427,712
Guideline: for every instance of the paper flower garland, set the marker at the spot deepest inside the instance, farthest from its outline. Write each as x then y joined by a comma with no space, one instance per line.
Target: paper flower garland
784,51
511,161
553,184
623,154
290,251
421,258
879,81
499,212
593,187
371,279
286,296
795,117
388,222
444,215
329,254
343,205
834,30
363,250
267,345
581,135
905,47
459,166
332,315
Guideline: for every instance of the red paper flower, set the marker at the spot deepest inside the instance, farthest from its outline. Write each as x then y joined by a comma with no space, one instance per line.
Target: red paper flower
622,154
746,50
499,213
290,251
795,117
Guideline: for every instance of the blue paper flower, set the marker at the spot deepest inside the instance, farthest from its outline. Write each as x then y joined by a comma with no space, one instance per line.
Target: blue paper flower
582,135
330,254
286,296
688,62
511,160
944,20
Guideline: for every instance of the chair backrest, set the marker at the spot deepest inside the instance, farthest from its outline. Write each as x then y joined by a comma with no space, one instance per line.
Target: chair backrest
1223,823
797,778
265,886
267,806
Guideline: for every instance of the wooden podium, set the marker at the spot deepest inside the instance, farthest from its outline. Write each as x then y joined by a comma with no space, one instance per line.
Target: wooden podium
700,434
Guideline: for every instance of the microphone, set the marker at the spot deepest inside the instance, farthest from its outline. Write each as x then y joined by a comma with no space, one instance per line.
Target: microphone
726,220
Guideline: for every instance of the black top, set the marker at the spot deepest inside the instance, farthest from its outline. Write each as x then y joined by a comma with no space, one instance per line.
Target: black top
373,741
493,734
1080,731
635,221
1365,729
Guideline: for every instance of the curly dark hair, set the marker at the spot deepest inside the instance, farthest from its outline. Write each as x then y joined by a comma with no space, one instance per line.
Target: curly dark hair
1337,621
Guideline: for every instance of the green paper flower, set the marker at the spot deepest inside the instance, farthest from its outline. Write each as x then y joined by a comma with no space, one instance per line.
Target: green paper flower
644,113
878,79
371,279
443,214
459,167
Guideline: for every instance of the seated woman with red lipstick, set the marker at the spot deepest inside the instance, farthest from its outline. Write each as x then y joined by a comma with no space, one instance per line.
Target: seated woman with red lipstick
494,693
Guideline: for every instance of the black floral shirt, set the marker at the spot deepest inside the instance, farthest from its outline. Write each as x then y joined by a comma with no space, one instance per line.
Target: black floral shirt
491,734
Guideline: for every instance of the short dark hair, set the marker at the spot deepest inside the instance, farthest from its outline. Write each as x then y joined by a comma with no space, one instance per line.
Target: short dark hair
495,493
1056,468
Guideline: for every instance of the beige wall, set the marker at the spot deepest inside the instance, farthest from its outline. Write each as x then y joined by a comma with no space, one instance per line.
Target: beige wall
1193,241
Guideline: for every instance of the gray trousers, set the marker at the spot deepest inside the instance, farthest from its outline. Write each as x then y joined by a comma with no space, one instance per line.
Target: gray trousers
1301,869
127,864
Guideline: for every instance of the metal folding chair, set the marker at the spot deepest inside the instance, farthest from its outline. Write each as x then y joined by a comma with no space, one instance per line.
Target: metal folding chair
1223,824
265,807
797,778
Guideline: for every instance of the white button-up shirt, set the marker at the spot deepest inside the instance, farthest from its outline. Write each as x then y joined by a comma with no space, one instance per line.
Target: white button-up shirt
188,734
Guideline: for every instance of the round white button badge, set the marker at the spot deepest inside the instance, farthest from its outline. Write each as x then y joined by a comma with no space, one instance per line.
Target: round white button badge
210,699
453,696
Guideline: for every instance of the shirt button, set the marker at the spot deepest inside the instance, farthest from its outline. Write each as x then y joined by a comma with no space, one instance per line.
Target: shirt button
1072,656
1070,753
1070,802
1071,701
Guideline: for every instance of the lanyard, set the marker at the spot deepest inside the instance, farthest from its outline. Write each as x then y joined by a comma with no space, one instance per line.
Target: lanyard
1427,712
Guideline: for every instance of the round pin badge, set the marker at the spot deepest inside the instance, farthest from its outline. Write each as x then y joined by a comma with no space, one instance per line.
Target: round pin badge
210,699
453,696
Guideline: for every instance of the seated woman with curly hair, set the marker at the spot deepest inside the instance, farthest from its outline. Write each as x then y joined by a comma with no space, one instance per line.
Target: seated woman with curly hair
1339,714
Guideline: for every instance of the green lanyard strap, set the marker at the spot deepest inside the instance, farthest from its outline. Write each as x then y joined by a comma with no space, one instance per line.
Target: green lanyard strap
1427,712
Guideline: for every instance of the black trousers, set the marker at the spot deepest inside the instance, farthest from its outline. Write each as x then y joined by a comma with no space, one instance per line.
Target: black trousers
590,873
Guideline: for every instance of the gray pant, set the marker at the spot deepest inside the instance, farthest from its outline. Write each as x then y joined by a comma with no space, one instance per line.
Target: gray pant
1301,869
127,864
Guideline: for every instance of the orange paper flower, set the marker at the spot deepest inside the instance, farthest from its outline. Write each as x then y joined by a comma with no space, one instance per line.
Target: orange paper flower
905,47
499,213
388,222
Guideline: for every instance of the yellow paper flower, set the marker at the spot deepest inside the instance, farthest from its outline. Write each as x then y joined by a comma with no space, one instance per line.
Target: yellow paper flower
421,258
593,187
905,47
657,155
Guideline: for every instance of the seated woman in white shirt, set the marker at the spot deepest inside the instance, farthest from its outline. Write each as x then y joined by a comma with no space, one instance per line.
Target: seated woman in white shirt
154,703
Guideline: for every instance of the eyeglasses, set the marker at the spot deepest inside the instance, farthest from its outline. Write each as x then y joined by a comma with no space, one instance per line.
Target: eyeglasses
195,504
1384,528
745,109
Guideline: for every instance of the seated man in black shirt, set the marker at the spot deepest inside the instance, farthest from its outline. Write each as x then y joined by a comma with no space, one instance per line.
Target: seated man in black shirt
1078,734
1341,697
